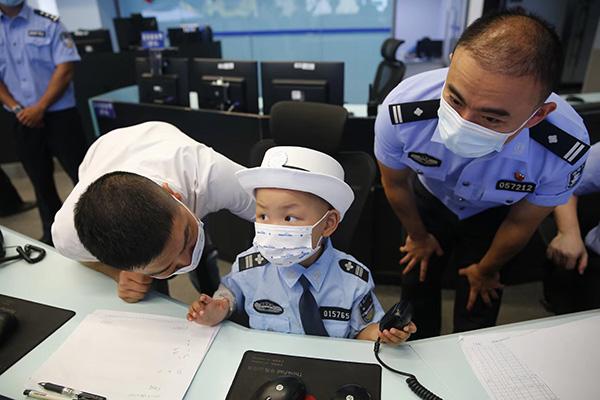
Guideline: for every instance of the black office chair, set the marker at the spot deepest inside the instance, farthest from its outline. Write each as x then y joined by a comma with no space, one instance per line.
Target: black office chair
320,127
390,73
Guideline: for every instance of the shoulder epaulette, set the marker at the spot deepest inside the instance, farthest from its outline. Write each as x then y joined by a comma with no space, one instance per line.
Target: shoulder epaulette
251,261
559,142
355,269
51,17
415,111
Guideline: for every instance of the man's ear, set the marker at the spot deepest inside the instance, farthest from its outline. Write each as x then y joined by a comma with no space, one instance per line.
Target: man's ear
165,186
331,222
541,114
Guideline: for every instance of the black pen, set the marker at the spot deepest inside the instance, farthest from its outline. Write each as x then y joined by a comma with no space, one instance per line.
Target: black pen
73,393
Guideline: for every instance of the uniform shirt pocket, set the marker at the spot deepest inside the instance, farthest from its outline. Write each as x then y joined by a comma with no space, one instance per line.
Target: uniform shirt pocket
275,323
338,329
38,49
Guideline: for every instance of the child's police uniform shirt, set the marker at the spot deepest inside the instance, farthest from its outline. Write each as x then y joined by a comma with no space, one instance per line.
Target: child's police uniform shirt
342,287
408,137
32,44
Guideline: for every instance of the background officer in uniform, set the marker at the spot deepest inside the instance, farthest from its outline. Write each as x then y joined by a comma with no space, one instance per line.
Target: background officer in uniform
492,149
10,201
36,71
573,282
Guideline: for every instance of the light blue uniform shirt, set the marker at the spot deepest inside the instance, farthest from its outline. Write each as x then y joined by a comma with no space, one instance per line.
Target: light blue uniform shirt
31,46
468,186
590,183
342,287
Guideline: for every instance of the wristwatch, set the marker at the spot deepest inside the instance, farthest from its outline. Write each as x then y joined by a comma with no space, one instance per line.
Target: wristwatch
17,109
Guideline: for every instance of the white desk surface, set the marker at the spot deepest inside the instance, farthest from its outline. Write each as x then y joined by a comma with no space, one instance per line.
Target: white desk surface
438,362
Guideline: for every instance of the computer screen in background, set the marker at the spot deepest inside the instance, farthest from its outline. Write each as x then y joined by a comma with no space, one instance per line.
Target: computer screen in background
172,87
129,30
226,85
321,82
92,41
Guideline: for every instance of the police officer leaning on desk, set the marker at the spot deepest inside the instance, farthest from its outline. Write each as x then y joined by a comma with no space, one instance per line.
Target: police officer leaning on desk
36,71
473,158
135,214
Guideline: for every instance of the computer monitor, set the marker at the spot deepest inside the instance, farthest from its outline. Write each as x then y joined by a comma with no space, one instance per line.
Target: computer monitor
158,89
94,41
172,66
226,85
321,82
129,30
181,36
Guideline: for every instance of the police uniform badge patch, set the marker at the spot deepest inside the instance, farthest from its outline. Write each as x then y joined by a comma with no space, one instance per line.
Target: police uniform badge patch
424,159
353,268
513,186
251,261
412,112
46,15
575,176
559,142
335,313
266,306
36,33
67,39
367,309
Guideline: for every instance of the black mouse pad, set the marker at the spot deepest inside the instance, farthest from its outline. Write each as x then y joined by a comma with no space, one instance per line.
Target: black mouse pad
35,323
321,377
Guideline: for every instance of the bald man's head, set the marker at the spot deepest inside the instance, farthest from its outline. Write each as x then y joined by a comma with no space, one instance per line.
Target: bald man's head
515,44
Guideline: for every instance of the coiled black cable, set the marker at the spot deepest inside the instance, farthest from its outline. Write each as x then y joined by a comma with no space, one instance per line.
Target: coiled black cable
411,380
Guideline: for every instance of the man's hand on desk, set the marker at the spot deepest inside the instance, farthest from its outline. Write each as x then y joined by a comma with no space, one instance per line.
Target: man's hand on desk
133,286
208,311
418,253
481,284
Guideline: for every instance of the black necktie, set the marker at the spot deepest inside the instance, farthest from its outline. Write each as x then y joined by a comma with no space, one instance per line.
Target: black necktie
309,311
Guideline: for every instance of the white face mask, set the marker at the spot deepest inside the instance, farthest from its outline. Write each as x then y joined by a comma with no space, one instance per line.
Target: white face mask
285,245
196,253
467,139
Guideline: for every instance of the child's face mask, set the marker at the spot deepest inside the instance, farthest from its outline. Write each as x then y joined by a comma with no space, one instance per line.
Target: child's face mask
286,245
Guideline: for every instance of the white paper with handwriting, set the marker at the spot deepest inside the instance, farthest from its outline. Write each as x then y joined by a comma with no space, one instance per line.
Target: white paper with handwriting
129,356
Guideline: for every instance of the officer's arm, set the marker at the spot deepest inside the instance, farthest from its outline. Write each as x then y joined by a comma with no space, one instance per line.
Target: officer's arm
566,219
6,98
517,228
398,189
567,248
60,80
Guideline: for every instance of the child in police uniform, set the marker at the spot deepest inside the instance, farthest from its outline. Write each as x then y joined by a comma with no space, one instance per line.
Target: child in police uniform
292,280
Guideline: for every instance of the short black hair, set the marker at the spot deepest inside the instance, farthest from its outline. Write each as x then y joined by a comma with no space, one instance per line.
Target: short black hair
124,219
516,43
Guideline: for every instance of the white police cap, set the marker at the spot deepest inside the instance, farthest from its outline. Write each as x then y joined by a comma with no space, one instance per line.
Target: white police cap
299,168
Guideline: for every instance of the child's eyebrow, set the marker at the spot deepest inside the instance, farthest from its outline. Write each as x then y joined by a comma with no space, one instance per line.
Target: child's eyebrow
281,207
288,206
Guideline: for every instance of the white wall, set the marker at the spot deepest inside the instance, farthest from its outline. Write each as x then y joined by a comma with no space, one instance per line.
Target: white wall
592,76
475,11
45,5
80,14
416,19
597,38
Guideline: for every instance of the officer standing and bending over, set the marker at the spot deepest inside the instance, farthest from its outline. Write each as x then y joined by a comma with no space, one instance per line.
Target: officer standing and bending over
135,214
36,72
473,158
